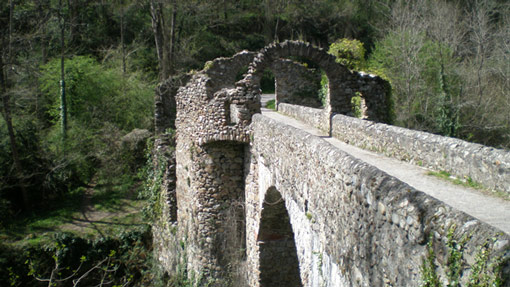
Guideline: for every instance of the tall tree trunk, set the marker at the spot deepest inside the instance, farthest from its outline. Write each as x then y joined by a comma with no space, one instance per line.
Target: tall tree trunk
171,45
122,44
164,39
12,138
43,19
8,117
63,105
158,23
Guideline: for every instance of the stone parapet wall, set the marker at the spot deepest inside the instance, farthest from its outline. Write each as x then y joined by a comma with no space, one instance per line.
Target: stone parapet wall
354,225
485,165
318,118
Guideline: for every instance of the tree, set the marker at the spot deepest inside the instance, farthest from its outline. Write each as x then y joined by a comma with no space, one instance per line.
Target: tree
164,39
7,106
63,104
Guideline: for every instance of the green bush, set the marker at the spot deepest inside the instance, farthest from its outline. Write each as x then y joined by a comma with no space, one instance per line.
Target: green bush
349,53
129,257
97,94
324,89
103,105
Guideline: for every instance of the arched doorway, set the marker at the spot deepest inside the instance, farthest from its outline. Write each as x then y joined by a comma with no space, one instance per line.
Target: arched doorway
279,265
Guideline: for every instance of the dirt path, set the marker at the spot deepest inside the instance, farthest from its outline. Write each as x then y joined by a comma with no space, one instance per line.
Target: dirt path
96,219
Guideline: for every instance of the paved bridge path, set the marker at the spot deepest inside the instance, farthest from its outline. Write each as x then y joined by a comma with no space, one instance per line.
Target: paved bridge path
491,210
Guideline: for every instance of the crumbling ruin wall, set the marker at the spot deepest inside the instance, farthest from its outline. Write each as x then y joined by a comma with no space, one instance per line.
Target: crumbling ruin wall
343,83
213,119
350,224
296,84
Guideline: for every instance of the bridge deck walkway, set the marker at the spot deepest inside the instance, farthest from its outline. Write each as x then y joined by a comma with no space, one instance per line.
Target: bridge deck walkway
491,210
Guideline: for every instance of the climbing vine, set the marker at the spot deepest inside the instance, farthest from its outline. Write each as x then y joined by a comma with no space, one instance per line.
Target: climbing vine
484,272
152,173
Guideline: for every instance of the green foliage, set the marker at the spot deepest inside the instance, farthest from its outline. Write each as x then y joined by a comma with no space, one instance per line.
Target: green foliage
415,85
125,256
467,182
271,104
267,83
324,89
349,53
448,114
485,272
455,252
356,105
152,174
428,268
98,94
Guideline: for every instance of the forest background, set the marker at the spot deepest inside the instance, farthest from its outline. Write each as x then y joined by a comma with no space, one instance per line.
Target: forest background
448,62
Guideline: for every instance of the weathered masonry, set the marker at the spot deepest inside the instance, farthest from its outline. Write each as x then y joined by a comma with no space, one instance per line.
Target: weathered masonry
249,201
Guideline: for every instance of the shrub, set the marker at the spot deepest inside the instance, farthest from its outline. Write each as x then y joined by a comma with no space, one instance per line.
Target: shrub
349,53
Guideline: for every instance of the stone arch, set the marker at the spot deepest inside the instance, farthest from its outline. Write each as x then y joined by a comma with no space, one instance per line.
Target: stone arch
343,83
296,83
223,72
338,99
278,260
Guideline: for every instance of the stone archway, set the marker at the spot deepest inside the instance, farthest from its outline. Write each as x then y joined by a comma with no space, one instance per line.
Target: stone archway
279,265
343,84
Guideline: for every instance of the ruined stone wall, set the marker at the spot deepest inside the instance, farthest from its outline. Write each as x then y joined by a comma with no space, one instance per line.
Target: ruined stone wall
165,242
353,224
486,165
296,84
213,117
343,83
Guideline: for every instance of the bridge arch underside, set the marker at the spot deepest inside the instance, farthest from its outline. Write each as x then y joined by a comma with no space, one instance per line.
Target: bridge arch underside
279,265
281,233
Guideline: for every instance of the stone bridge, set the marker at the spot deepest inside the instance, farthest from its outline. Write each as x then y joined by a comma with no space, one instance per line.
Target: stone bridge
253,197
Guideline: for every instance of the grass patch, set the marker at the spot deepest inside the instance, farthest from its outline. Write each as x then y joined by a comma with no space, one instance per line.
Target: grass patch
271,104
468,182
32,225
118,201
109,196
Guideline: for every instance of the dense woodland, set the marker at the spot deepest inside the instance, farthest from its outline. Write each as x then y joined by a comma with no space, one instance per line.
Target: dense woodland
78,75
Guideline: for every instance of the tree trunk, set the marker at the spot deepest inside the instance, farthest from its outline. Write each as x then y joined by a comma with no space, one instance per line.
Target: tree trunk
171,45
8,117
158,23
122,44
63,105
43,19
